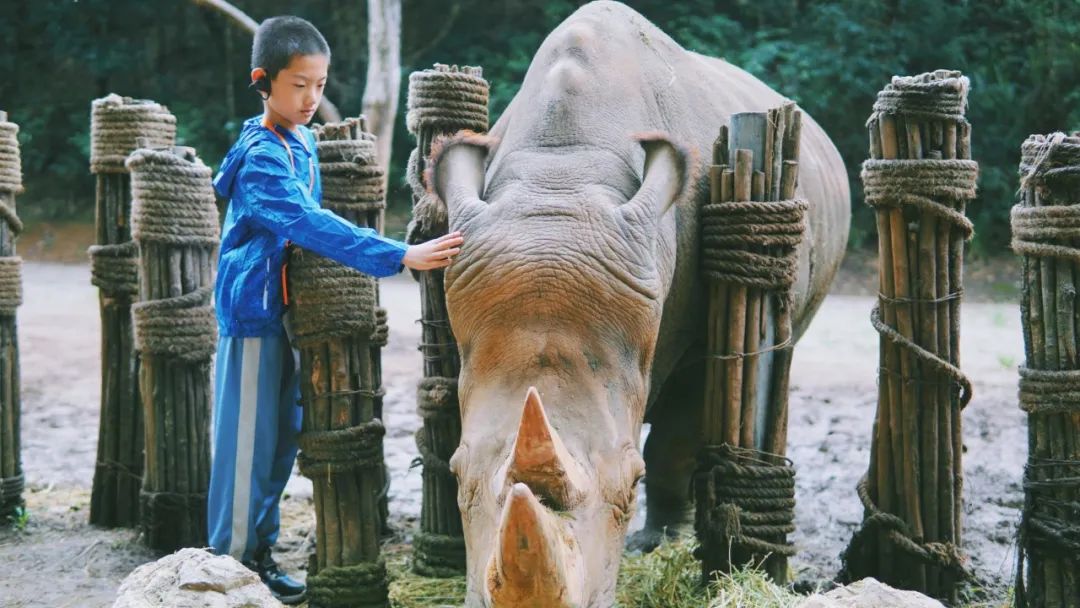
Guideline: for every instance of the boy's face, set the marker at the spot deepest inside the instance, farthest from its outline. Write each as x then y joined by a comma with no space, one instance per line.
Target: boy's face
297,89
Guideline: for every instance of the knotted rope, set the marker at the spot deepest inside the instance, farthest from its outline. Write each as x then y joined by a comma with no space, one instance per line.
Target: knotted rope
934,186
361,585
173,200
323,453
1044,391
438,555
856,557
10,165
923,356
115,268
10,181
778,225
183,327
351,178
10,284
173,204
117,124
940,95
1046,158
745,500
447,99
329,300
1047,230
11,489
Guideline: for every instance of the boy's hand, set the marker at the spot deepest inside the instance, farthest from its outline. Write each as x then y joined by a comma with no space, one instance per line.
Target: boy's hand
433,254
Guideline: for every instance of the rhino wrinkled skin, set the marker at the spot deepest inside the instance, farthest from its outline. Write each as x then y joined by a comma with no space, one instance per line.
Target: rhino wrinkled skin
578,303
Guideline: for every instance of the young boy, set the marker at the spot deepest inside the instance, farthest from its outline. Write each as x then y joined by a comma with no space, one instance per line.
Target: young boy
271,179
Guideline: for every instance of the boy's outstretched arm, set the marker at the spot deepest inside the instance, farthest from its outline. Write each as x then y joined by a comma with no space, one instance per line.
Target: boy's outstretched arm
281,203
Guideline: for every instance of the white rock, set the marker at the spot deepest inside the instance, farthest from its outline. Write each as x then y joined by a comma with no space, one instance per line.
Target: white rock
869,593
194,578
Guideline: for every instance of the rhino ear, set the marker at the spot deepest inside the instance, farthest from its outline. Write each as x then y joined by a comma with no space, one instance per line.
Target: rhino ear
664,180
455,172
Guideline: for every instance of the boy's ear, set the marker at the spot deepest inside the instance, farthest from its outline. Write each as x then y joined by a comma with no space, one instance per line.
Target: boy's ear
260,82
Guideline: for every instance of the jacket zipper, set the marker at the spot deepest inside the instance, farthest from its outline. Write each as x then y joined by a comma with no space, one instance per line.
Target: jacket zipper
266,286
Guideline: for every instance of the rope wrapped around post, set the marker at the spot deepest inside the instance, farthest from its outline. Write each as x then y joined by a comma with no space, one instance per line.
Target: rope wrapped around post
118,126
11,474
918,180
751,229
175,222
339,330
441,101
1046,232
746,502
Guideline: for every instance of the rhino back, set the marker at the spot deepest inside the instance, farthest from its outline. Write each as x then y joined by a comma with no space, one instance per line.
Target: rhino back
607,73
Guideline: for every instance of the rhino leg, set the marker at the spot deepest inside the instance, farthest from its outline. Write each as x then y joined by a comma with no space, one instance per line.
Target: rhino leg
670,457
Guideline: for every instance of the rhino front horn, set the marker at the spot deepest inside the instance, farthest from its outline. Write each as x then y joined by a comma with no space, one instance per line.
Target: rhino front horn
541,461
528,569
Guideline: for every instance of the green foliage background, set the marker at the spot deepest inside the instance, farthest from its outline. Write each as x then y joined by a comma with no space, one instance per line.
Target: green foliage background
832,56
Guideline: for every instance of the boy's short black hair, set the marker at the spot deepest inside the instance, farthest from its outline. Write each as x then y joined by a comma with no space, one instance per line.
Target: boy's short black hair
279,39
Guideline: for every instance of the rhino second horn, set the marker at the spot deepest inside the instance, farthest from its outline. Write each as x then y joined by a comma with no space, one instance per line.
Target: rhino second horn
528,569
541,461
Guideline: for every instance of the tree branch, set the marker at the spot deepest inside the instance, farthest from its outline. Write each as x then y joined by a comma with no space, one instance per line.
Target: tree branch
327,110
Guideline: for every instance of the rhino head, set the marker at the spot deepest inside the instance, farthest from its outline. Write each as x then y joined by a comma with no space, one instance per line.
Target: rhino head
556,302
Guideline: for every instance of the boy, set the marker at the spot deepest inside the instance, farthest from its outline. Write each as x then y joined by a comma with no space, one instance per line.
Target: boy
271,179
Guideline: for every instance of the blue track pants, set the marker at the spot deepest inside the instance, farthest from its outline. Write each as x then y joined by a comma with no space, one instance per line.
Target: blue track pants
256,421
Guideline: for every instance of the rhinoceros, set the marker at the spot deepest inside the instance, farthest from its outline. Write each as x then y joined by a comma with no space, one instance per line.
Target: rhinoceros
578,304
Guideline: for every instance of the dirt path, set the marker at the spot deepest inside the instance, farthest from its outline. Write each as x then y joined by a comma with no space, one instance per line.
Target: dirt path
59,560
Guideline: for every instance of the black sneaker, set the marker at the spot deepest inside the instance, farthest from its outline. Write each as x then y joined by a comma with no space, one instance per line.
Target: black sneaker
285,588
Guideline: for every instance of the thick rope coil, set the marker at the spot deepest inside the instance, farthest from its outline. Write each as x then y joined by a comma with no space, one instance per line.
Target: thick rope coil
10,284
922,355
920,183
183,327
433,464
362,585
10,159
438,555
117,124
447,100
381,336
744,501
329,299
779,225
11,489
172,199
940,95
160,510
1046,158
115,268
437,396
1044,391
947,556
345,450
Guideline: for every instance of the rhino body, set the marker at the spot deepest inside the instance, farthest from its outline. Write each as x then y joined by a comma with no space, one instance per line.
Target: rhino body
578,301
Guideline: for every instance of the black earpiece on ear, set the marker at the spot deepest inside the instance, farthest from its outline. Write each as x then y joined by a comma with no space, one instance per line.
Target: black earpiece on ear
261,86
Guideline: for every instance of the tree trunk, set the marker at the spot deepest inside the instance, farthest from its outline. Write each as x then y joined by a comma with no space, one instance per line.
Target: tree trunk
383,75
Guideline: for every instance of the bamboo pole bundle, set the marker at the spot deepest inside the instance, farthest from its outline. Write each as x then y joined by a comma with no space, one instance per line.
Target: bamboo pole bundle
339,332
919,178
11,474
174,219
751,227
441,101
1044,226
116,123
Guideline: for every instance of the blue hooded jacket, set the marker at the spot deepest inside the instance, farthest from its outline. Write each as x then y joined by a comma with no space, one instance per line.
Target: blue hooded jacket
271,201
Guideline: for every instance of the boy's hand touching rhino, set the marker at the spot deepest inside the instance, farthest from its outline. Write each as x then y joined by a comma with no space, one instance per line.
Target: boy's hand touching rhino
433,254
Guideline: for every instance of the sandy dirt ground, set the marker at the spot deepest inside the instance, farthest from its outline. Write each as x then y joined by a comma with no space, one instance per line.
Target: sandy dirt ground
58,560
